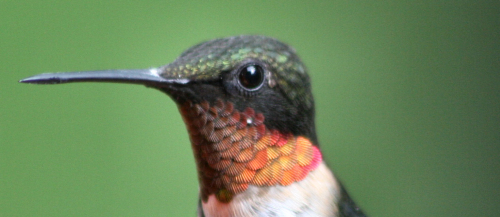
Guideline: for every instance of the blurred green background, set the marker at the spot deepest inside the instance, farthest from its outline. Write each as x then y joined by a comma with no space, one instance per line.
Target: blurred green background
407,97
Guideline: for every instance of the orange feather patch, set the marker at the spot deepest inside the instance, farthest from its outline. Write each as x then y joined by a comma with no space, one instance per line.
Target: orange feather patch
234,149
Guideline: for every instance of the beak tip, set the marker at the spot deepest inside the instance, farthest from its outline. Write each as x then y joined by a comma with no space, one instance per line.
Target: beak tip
37,79
26,80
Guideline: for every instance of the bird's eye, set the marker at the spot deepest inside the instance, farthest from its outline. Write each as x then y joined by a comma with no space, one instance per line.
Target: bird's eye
251,77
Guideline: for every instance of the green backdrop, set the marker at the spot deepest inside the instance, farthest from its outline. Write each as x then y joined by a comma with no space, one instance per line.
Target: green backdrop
407,97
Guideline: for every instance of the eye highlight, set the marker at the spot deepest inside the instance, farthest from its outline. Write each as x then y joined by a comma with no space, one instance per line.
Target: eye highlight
251,77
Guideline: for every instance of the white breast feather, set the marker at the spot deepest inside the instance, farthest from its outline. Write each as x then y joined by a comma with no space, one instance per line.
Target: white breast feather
316,195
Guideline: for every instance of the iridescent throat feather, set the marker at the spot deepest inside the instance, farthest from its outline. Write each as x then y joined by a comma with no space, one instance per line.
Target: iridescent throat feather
233,149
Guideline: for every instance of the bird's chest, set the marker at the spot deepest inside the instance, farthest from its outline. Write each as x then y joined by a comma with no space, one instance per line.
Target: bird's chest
316,195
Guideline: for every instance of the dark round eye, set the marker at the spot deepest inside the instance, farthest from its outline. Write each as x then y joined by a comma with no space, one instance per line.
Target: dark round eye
251,76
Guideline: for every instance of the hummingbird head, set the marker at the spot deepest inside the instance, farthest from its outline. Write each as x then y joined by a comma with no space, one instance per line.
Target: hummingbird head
247,105
254,72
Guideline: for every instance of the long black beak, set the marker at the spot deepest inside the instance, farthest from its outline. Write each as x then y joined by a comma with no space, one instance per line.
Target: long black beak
148,77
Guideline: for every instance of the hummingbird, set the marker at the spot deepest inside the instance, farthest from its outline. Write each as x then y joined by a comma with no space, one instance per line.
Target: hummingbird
248,108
